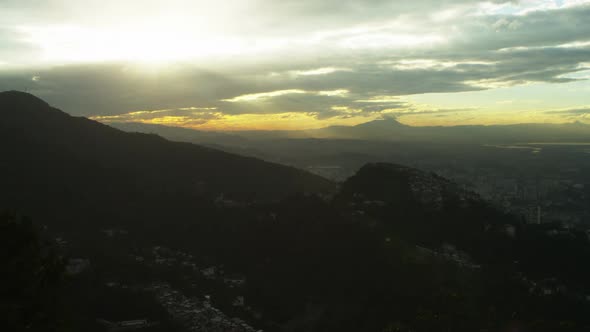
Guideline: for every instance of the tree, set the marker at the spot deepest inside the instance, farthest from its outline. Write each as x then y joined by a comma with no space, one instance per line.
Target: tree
30,272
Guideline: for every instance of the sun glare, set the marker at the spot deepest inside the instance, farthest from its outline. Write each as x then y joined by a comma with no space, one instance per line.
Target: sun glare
139,44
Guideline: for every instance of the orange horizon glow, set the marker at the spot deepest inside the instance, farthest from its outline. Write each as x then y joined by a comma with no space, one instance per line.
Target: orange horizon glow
302,121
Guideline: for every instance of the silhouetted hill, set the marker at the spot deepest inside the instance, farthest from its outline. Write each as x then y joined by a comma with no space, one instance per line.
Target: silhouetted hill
426,208
429,210
51,160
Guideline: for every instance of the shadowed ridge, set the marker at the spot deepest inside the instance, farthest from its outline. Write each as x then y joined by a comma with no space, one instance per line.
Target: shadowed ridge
26,113
51,159
19,98
14,104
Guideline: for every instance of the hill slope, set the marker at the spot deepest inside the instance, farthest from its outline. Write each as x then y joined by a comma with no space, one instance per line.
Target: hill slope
51,160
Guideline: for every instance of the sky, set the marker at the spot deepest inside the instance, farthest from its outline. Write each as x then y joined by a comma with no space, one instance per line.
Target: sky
301,64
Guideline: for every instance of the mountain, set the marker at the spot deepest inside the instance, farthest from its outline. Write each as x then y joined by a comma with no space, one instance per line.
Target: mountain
391,129
431,211
51,160
425,208
377,129
388,129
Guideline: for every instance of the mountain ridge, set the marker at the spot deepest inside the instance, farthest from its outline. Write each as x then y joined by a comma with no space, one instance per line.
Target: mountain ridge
49,156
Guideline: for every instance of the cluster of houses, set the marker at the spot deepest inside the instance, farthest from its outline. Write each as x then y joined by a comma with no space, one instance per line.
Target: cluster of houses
198,315
114,232
128,325
168,257
545,287
76,266
450,253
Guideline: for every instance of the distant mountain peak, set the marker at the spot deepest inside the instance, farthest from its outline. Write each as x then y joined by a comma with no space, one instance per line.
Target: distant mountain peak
382,123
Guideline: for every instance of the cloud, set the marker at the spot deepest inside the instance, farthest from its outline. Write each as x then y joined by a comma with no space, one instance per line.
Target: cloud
263,95
328,59
435,112
574,111
189,116
13,45
316,71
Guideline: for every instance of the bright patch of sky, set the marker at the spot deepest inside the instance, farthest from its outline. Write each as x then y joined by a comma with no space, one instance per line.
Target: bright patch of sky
323,60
